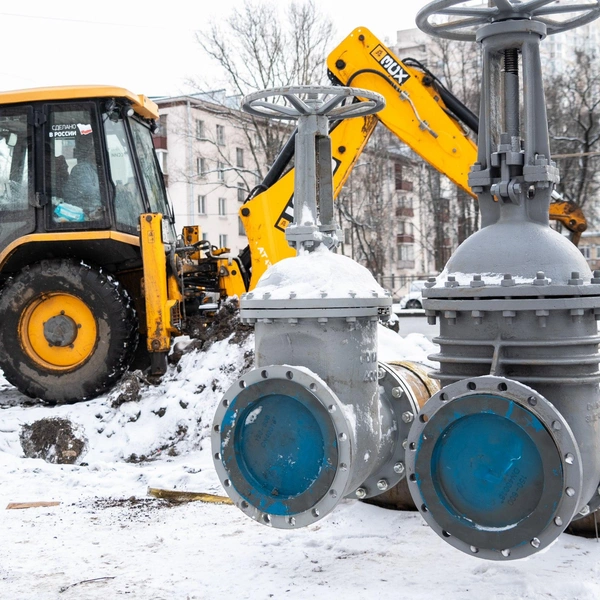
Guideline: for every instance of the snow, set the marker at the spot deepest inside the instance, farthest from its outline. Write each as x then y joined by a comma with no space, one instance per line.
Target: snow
486,278
109,539
317,274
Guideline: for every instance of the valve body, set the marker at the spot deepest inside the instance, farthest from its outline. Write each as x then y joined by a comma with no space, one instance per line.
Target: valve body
507,453
319,418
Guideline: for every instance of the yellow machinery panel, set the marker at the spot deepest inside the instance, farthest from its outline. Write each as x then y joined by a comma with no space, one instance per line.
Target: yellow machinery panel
161,292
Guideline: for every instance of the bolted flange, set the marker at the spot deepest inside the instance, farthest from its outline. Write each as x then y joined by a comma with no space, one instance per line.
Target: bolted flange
282,446
494,468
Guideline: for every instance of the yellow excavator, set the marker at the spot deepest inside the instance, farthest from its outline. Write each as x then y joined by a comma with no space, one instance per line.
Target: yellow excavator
419,110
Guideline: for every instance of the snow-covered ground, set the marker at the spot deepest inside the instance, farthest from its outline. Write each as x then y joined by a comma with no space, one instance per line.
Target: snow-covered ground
108,539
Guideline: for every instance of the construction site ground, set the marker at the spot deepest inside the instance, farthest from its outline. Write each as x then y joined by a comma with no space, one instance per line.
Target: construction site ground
106,537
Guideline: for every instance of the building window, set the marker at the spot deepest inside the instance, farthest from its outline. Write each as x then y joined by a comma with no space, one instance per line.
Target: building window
220,171
241,192
405,233
400,182
204,236
347,236
405,227
200,129
241,229
223,240
161,155
222,207
162,126
239,157
585,250
201,166
202,205
406,252
220,135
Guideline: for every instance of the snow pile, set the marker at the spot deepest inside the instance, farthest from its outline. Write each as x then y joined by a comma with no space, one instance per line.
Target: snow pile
171,418
312,274
486,278
414,347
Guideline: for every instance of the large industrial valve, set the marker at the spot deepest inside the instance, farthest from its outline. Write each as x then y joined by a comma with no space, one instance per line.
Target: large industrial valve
320,418
507,453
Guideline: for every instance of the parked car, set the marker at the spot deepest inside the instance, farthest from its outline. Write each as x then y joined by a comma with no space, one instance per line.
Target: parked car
414,298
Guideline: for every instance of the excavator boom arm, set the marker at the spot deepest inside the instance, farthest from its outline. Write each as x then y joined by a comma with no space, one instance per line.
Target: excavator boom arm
419,111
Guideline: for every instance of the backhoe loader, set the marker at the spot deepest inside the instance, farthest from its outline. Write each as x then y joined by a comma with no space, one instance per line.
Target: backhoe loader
89,259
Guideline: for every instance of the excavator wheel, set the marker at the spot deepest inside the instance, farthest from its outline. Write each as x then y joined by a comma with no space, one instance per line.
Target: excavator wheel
68,331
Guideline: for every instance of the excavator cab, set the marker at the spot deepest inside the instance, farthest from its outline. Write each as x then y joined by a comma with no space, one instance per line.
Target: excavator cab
78,267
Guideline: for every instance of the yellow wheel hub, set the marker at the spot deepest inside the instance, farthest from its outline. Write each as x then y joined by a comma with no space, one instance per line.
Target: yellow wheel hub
58,331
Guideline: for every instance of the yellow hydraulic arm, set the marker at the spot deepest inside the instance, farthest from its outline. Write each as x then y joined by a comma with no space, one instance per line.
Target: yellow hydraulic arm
161,292
440,140
414,111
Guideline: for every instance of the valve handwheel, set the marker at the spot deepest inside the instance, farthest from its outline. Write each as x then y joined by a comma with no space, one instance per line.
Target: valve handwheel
474,17
321,101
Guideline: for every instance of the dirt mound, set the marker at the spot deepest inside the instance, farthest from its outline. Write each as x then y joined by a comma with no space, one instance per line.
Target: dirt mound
205,330
55,440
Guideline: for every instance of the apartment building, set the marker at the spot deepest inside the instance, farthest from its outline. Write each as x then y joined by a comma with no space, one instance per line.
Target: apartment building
208,163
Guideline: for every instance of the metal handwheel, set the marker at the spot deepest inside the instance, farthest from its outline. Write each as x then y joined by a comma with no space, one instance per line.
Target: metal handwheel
465,29
319,100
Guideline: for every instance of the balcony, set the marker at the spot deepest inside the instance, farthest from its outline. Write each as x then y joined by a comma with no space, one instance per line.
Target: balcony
160,142
403,185
405,238
405,211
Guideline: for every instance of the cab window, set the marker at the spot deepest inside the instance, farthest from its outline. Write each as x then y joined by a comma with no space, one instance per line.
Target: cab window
152,177
74,182
128,198
17,216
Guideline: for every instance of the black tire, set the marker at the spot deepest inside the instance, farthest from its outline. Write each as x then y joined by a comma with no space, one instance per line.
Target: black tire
413,304
31,354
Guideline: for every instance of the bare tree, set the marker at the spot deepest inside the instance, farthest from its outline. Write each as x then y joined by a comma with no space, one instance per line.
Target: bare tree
449,214
573,99
367,206
261,46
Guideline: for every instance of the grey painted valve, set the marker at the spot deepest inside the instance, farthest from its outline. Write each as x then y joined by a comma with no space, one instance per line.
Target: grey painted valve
320,418
503,457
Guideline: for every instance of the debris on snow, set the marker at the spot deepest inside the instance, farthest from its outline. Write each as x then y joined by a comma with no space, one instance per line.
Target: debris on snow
54,440
128,389
225,324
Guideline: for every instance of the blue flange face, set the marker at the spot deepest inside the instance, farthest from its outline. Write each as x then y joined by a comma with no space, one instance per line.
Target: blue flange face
487,468
494,468
282,446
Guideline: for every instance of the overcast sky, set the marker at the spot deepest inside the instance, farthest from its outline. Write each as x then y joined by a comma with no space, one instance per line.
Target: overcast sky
146,47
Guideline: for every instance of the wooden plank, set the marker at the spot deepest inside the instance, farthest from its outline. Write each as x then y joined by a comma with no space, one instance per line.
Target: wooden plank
177,496
19,505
